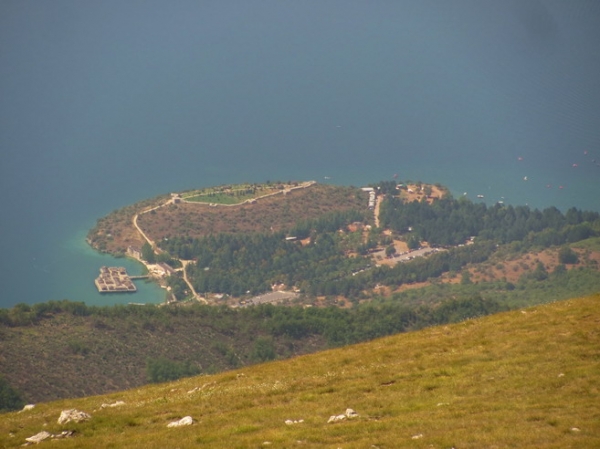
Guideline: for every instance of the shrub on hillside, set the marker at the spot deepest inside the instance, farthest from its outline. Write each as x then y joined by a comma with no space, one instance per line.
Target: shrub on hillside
10,399
567,256
164,370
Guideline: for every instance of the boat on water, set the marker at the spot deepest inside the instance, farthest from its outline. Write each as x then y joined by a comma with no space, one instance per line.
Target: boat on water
480,196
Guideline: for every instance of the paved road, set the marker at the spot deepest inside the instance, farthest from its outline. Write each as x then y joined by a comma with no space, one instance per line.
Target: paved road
270,297
416,253
405,257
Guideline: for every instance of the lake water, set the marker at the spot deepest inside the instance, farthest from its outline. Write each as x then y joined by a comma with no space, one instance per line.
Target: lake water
104,104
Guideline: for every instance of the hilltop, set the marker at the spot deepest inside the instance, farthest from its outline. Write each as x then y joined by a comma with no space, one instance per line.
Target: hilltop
526,378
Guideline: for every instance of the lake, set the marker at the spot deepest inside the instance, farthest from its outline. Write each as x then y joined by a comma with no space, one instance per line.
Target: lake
108,103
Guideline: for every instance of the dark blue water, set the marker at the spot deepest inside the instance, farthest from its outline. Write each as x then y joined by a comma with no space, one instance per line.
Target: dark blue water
107,103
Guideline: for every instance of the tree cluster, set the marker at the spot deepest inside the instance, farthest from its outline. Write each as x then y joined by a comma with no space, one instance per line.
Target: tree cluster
448,222
237,264
424,268
348,326
163,370
10,398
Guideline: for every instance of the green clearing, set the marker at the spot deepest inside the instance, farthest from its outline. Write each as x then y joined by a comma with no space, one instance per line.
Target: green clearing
221,198
525,378
229,195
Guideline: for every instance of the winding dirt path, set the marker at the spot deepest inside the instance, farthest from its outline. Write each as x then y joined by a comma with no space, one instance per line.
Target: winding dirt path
197,297
185,263
144,236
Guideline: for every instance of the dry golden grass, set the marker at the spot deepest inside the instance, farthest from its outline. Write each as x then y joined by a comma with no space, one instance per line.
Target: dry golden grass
523,379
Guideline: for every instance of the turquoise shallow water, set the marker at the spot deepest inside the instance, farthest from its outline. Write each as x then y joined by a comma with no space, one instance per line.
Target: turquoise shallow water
82,274
66,267
108,103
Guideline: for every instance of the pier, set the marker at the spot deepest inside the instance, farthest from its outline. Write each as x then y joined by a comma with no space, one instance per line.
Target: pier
115,280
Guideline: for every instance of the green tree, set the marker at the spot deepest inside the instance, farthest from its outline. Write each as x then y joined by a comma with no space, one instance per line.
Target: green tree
540,272
567,256
10,399
413,242
263,350
390,250
148,253
465,278
164,370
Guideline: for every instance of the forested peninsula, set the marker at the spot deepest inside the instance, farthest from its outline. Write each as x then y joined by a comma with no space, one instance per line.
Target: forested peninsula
232,244
274,270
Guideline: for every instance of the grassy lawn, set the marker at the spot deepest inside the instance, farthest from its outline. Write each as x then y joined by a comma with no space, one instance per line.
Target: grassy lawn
526,378
220,198
235,194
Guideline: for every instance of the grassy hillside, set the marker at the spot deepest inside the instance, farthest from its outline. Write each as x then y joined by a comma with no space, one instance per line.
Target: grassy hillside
517,379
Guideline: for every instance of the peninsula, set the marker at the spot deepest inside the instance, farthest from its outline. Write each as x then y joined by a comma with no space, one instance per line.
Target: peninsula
319,244
140,230
428,259
143,232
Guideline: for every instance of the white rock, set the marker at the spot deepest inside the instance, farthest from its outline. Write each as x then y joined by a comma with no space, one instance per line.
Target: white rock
28,407
39,437
185,421
63,434
115,404
336,418
72,415
289,422
351,413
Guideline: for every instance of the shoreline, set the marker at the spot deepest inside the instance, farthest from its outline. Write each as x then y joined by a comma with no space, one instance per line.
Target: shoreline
159,271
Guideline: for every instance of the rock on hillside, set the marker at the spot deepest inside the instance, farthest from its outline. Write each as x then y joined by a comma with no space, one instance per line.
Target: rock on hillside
527,378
